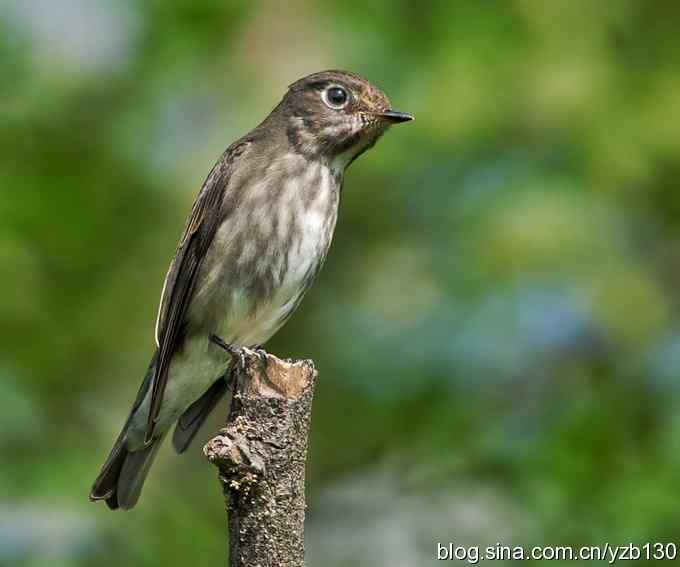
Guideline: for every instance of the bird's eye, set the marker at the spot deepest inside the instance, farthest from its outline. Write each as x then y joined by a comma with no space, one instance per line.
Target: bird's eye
335,97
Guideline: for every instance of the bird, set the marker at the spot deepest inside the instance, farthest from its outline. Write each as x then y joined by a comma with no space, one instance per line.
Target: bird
255,240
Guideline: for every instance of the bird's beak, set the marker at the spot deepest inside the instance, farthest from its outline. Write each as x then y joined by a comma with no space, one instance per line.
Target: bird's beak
395,116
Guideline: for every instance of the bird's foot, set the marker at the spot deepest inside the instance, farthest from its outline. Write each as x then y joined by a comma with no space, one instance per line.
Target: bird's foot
262,354
236,352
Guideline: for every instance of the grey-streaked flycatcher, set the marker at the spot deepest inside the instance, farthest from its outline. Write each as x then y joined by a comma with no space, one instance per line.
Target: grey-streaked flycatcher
256,238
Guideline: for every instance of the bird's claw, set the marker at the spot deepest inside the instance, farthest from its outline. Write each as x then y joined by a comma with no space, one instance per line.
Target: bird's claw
239,352
263,356
234,351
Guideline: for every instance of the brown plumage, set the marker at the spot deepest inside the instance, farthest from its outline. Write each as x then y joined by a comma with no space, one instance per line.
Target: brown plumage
256,238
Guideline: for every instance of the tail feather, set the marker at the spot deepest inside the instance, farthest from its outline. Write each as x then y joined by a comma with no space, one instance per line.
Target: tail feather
122,477
133,474
104,487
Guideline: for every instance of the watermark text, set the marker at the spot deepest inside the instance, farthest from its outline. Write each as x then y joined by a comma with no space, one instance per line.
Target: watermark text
473,554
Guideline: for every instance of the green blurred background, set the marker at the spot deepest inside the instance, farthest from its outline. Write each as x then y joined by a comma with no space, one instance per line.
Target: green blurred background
497,327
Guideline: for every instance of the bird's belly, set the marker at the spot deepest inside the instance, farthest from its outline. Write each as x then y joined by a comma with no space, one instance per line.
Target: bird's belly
263,322
280,276
252,323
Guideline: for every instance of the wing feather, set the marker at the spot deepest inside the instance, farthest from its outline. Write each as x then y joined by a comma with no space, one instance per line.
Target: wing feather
181,277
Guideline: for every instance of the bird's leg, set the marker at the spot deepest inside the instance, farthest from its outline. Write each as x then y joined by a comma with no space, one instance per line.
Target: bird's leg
234,351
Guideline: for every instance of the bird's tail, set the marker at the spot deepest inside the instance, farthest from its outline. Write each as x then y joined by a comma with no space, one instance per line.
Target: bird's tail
122,477
123,474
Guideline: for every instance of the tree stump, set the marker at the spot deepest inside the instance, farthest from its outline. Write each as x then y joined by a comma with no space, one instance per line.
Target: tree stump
261,457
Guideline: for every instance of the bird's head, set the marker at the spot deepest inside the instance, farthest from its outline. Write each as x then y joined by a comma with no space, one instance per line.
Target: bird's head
336,116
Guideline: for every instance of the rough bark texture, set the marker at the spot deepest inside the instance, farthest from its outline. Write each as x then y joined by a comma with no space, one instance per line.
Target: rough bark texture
261,458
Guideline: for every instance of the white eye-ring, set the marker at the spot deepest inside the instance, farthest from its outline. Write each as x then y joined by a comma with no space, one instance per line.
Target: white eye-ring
335,97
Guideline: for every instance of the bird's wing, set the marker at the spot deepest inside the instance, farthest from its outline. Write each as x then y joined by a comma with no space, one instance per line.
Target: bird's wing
181,277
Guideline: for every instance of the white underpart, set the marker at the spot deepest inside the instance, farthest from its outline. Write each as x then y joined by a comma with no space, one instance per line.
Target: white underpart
246,327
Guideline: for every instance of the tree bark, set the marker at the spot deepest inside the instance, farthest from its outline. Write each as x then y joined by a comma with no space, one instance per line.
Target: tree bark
261,456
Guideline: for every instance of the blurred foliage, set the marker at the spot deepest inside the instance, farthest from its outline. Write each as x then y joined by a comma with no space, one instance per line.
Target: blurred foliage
497,327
